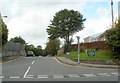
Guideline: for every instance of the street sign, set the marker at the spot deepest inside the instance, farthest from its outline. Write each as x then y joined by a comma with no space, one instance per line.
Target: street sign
91,53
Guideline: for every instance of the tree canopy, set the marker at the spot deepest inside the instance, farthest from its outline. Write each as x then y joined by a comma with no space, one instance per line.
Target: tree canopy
65,23
52,46
3,32
18,40
113,38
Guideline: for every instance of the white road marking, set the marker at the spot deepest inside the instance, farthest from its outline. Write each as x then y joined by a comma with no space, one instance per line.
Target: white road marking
89,75
104,74
27,71
58,76
1,76
42,76
33,62
14,77
115,73
73,75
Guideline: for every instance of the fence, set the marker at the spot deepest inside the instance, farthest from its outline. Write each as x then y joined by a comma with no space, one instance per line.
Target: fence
13,49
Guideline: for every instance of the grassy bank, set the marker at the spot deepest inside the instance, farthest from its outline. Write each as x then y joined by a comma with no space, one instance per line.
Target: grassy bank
100,55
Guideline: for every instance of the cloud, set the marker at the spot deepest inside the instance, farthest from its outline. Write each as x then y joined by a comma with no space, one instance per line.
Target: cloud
30,18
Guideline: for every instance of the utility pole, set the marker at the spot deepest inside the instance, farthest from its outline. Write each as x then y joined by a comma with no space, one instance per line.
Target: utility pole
112,12
78,38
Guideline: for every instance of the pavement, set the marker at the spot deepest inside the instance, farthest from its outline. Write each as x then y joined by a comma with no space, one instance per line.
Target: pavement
70,62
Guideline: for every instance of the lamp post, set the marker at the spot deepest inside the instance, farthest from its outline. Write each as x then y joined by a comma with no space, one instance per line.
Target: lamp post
78,38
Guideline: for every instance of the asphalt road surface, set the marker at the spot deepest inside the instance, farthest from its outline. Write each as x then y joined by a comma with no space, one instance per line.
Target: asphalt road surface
49,69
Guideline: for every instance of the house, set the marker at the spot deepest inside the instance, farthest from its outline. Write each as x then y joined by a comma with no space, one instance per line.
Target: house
93,38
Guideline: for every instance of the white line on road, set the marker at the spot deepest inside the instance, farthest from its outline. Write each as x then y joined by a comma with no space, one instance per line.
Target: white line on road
73,75
14,77
115,73
58,76
42,76
1,76
27,71
33,62
104,74
89,75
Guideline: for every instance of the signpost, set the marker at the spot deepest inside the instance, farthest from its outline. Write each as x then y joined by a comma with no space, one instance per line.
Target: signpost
91,53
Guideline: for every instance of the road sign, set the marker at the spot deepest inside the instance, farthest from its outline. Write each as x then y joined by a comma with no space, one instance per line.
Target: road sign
91,53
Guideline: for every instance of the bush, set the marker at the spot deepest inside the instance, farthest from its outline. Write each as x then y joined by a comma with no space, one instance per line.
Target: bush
97,48
83,48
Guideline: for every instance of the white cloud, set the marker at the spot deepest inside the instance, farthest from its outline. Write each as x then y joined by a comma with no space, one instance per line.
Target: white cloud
30,19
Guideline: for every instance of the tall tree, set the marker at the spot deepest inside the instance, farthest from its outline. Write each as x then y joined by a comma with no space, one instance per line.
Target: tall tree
18,40
64,24
52,46
3,32
113,38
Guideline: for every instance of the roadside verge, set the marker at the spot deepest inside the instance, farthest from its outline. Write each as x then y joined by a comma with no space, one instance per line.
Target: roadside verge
70,62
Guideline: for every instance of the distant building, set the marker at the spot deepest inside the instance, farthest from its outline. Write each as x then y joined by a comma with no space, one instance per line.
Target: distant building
93,38
119,9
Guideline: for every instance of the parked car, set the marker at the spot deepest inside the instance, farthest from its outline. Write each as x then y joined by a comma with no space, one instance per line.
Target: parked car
30,53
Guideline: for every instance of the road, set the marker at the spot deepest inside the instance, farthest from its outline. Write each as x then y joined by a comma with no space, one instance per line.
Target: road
49,69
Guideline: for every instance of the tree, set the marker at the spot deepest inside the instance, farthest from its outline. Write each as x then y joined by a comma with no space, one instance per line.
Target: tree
18,40
29,47
52,46
38,50
64,24
113,38
3,32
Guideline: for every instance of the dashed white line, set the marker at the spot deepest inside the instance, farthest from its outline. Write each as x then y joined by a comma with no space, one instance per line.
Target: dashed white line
33,62
104,74
42,76
89,75
1,76
58,76
27,71
14,77
73,75
115,73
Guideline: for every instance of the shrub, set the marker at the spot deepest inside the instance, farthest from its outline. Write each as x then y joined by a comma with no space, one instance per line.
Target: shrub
97,48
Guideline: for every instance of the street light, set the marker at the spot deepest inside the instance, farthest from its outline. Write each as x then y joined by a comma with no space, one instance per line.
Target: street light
78,38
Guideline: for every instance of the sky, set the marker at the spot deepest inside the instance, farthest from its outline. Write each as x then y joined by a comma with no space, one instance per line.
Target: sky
30,18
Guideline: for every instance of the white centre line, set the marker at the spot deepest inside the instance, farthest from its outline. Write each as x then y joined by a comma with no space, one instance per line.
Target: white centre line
33,62
27,71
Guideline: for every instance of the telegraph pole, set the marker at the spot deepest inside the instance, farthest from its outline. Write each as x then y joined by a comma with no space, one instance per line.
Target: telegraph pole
112,12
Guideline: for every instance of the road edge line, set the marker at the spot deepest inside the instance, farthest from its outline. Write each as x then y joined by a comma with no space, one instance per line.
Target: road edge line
11,60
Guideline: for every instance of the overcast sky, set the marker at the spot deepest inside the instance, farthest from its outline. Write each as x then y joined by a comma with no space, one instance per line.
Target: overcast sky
30,18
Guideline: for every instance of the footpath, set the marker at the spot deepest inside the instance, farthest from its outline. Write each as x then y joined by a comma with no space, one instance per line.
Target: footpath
70,62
